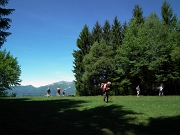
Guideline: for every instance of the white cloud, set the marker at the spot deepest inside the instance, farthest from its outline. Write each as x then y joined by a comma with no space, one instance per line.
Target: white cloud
64,76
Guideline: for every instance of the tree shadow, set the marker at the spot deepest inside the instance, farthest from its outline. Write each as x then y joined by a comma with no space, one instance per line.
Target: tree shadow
67,116
164,126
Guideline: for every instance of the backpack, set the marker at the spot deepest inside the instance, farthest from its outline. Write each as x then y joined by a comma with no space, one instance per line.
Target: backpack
102,86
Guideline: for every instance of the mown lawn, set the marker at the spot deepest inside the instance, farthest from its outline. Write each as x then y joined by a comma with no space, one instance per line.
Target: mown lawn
123,115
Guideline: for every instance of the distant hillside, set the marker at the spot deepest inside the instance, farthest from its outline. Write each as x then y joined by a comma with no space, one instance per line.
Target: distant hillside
69,87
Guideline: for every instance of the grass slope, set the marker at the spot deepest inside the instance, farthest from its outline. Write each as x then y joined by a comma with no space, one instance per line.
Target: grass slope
123,115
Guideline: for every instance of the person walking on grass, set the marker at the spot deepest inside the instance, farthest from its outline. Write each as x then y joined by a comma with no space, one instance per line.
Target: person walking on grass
63,92
138,90
105,89
58,91
160,90
48,91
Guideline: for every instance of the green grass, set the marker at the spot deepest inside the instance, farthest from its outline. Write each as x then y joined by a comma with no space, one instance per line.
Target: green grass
123,115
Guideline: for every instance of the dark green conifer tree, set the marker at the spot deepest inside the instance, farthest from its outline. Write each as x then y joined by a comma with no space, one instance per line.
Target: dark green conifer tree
171,21
116,34
84,44
98,64
4,22
168,17
116,40
124,26
96,33
138,14
106,30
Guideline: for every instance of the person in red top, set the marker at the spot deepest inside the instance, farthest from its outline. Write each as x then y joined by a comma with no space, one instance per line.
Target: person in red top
58,90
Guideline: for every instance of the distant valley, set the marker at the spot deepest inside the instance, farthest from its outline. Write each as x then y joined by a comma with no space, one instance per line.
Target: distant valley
69,88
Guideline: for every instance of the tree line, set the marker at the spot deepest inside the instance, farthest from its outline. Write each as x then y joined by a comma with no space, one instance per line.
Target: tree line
144,51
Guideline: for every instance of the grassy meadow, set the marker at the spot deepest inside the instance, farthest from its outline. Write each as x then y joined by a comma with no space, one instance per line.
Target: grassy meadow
123,115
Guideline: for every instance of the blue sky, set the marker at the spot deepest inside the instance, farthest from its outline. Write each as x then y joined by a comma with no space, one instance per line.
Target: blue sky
44,32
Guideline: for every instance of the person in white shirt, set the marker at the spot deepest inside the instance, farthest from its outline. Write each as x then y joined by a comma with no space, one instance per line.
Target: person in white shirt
160,90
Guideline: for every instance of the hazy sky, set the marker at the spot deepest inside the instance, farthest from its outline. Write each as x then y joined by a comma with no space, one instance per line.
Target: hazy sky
44,32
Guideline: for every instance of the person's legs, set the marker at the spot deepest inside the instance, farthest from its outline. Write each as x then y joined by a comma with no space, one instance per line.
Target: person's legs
58,93
137,93
104,94
107,96
160,93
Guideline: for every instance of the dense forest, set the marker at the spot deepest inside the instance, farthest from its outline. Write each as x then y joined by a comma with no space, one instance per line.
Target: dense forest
144,51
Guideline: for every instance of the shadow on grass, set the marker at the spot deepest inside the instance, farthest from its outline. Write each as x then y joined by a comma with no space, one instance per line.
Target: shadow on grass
23,117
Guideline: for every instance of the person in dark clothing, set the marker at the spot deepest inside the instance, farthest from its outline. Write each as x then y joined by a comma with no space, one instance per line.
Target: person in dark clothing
48,91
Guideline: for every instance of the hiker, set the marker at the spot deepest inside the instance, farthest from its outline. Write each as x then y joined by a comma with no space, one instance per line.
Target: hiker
48,91
63,92
58,91
105,89
138,90
160,90
102,87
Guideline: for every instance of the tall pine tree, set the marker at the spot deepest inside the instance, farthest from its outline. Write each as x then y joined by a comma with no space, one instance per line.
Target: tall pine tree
171,21
4,22
167,15
98,64
138,14
106,30
96,33
84,44
116,41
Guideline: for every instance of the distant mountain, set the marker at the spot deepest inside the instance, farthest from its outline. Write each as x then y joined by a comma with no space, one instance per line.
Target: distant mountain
69,88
